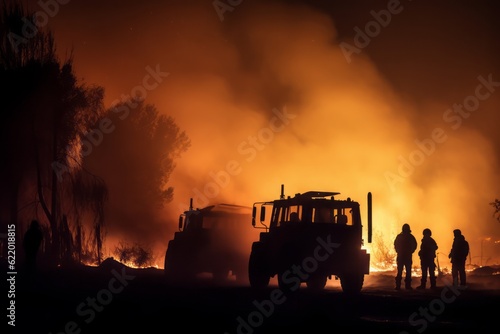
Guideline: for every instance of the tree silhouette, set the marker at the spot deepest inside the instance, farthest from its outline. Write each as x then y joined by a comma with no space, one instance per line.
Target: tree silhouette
136,254
496,206
136,156
46,112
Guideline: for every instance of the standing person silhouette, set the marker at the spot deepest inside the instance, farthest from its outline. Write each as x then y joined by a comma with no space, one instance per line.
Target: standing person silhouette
31,243
458,255
427,254
405,245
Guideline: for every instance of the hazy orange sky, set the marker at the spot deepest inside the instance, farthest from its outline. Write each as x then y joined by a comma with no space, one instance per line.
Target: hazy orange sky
397,98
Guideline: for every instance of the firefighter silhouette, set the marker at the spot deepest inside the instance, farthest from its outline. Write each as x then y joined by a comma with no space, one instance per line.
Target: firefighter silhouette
458,255
31,243
405,245
427,254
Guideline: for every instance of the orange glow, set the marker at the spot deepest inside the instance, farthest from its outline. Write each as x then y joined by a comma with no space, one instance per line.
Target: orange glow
269,100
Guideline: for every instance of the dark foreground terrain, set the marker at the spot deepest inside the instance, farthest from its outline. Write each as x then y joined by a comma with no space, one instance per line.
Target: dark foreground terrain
113,298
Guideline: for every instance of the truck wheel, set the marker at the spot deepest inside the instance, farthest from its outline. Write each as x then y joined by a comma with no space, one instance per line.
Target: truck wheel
257,275
316,282
284,286
173,268
167,265
258,280
352,284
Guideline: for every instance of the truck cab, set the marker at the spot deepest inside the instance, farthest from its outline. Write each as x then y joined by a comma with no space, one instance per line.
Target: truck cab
309,238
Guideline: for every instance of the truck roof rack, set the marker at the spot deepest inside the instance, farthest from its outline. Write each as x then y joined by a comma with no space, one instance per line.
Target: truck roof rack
317,194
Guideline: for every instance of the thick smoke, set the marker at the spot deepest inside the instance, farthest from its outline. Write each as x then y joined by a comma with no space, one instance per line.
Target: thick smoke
268,98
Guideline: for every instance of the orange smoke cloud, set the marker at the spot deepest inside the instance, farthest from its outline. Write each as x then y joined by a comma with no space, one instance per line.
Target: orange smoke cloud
268,98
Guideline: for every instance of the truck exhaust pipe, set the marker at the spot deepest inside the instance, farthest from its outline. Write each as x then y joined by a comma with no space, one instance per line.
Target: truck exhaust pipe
369,217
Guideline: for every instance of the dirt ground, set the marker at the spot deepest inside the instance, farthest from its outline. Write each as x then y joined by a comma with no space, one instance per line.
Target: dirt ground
114,298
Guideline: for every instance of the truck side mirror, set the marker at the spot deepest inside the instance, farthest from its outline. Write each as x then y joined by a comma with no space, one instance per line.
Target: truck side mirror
262,213
180,222
254,213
